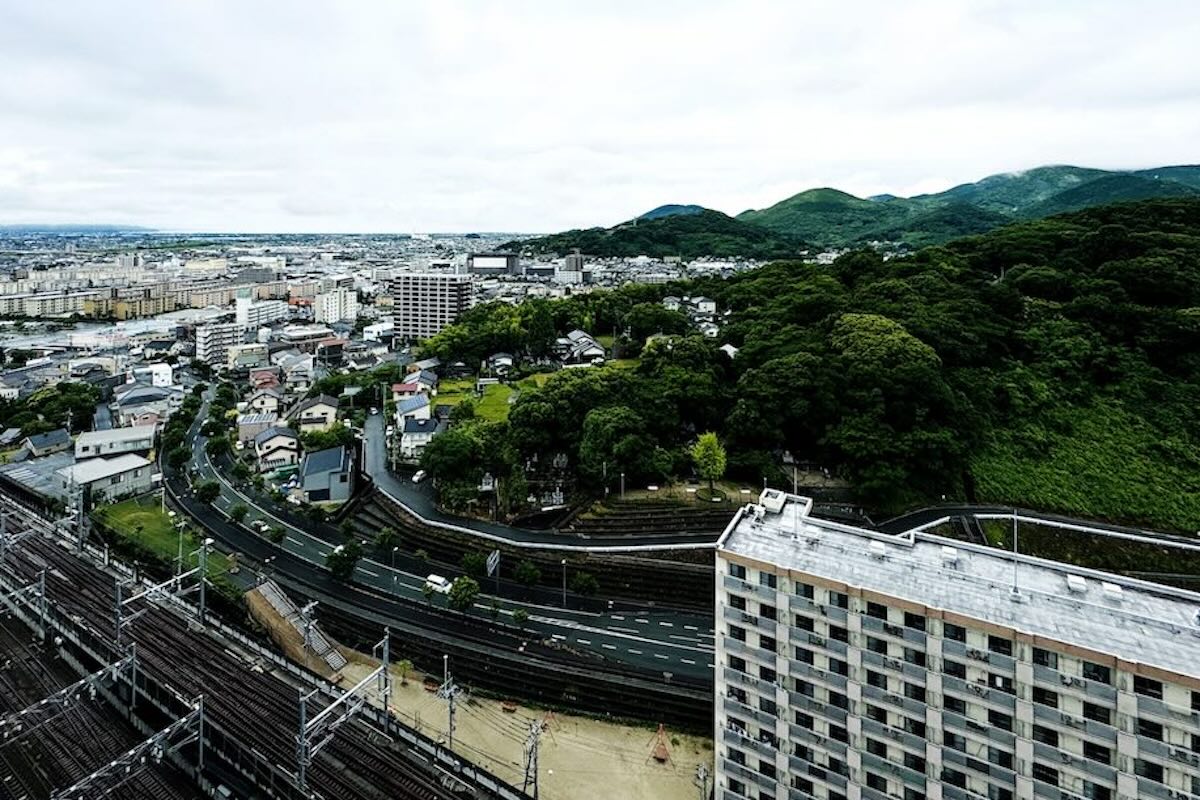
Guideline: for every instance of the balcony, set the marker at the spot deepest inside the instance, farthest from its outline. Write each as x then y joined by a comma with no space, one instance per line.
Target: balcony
737,617
969,726
748,775
834,614
744,741
743,711
1097,730
884,767
911,672
799,734
880,731
979,692
1157,708
808,671
817,707
912,707
907,635
799,766
756,590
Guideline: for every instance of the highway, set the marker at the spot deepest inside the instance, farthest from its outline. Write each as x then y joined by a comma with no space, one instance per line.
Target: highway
657,640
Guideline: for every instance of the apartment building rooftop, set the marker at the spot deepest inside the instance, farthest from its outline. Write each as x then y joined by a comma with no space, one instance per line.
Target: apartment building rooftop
1134,620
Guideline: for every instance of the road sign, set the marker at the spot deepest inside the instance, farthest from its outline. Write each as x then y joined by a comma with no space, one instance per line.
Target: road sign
493,562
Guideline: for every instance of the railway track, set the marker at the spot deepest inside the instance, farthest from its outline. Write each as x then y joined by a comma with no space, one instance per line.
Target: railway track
244,703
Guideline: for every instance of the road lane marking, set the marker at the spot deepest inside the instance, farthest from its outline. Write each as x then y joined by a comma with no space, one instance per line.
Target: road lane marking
690,628
296,542
634,652
622,630
666,625
366,571
584,641
609,646
660,655
688,661
558,636
643,621
618,617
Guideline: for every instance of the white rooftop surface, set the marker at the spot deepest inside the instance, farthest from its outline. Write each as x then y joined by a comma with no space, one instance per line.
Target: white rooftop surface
1149,624
98,468
132,434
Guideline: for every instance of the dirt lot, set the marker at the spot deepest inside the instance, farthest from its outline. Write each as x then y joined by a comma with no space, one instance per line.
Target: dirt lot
578,758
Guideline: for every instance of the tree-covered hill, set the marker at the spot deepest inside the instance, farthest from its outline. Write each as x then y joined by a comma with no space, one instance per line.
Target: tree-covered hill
1052,363
831,218
671,210
689,235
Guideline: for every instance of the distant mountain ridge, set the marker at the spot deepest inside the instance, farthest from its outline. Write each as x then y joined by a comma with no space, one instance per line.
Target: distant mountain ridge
688,234
832,218
671,210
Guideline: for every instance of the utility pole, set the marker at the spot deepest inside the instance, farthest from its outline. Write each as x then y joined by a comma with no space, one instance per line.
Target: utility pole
203,553
564,567
449,692
702,780
531,759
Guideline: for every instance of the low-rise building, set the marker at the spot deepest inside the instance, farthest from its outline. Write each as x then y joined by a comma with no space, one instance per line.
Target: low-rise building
276,447
264,401
416,434
251,425
42,444
114,442
327,475
314,414
108,478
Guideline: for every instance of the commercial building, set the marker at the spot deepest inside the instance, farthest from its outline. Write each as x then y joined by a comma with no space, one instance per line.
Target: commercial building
426,302
336,305
494,264
213,341
851,664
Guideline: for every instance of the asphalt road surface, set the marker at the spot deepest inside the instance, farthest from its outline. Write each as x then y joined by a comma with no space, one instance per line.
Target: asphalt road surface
668,641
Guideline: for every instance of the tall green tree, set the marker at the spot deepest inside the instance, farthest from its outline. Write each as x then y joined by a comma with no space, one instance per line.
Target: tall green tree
709,457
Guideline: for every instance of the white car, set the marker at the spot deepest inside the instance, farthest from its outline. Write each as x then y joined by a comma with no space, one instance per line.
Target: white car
419,476
438,584
374,410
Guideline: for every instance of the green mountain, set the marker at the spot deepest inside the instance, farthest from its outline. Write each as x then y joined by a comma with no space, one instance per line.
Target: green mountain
1108,189
831,218
703,233
671,210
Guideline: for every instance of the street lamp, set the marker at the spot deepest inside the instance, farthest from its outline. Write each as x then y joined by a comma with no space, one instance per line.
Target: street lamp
393,565
564,567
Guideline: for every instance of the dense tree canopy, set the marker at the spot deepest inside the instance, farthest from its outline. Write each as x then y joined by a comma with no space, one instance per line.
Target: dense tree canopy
984,367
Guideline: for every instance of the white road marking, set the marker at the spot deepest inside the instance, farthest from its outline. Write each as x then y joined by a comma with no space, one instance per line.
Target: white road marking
643,621
690,628
666,624
609,646
559,636
688,661
622,630
296,542
366,571
584,641
618,616
660,655
634,652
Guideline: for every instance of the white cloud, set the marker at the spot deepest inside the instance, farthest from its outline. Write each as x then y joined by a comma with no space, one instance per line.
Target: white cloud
538,116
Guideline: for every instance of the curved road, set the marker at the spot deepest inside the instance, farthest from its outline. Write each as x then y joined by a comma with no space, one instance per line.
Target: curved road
418,499
676,642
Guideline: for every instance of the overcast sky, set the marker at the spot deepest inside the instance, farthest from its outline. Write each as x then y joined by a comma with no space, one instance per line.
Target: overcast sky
539,116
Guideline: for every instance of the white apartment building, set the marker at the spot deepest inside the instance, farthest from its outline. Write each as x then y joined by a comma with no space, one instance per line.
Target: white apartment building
852,664
251,313
336,305
213,341
426,302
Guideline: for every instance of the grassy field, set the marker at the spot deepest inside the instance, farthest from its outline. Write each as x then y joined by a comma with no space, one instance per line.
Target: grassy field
143,523
493,406
1102,461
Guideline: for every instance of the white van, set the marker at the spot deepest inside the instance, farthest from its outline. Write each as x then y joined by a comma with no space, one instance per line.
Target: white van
438,584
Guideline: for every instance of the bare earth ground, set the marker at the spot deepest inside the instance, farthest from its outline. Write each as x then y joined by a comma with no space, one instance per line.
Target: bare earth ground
579,758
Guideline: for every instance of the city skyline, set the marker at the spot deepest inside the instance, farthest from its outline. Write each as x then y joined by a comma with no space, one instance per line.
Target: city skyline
533,118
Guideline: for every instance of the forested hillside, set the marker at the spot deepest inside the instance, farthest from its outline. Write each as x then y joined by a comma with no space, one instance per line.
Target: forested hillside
1052,364
687,234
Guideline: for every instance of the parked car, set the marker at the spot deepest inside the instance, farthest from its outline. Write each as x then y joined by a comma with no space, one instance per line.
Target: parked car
419,476
438,584
374,410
